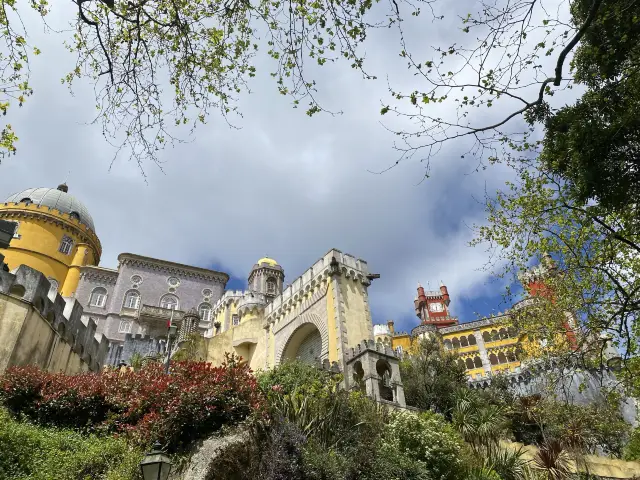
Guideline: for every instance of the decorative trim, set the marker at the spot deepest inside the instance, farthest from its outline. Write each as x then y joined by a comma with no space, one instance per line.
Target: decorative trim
85,236
91,273
485,322
173,268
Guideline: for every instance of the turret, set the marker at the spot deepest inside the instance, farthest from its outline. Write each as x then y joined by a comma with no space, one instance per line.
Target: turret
445,293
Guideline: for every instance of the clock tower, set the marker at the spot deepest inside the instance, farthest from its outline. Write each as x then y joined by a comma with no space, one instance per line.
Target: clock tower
432,307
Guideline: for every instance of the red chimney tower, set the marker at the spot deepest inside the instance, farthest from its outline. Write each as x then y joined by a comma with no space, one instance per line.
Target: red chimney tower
534,283
432,307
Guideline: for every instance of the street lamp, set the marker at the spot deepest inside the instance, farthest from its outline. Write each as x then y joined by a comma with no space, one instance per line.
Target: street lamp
155,465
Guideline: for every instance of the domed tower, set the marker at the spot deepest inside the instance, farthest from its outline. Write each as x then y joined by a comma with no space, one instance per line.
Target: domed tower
55,235
267,277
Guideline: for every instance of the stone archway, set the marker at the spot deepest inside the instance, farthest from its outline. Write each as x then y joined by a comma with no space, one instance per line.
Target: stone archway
305,344
300,336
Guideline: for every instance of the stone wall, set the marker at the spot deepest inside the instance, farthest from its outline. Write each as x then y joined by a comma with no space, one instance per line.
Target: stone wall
36,329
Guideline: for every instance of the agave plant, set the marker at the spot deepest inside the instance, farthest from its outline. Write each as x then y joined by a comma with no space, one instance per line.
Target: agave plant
553,461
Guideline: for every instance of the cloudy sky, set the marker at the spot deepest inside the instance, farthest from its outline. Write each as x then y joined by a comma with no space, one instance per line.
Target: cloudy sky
283,185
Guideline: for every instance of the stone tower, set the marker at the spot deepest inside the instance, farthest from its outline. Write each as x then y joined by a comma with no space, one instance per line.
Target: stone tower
266,277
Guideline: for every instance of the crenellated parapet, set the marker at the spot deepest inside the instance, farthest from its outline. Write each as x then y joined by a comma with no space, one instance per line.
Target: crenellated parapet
251,302
64,315
334,262
368,345
229,297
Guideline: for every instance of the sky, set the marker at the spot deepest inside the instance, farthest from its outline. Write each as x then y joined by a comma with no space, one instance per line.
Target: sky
282,184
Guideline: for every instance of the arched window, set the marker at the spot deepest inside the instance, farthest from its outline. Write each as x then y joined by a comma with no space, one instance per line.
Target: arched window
170,302
455,342
66,245
502,358
477,362
53,289
205,312
132,299
493,359
472,339
75,215
495,336
26,200
271,285
98,297
486,336
461,363
511,356
503,333
464,342
469,363
447,344
512,332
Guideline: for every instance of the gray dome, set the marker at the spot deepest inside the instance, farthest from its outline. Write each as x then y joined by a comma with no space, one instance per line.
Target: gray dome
55,198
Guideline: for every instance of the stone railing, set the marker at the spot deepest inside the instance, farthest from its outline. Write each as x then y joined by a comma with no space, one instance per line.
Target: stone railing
150,312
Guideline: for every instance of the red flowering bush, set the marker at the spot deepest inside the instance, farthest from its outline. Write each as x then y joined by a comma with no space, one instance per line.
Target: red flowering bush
195,400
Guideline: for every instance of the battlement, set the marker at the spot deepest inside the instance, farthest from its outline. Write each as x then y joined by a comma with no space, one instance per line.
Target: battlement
252,300
381,330
370,345
228,296
62,314
344,264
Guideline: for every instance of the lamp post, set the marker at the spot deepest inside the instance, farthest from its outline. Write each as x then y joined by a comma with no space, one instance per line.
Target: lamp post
155,465
170,335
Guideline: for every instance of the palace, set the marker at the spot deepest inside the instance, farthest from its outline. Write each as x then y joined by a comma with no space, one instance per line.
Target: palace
85,316
60,310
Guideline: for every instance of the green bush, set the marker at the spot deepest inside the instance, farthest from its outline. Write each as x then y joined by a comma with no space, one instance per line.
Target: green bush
38,453
297,376
428,439
632,449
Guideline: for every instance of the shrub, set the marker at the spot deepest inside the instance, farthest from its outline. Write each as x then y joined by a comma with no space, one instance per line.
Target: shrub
297,376
195,400
38,453
430,376
632,450
428,439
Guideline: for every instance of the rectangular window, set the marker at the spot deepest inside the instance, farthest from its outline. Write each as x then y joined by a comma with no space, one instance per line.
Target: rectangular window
235,320
125,327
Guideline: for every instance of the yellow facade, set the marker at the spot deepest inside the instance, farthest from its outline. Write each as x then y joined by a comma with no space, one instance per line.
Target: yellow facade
321,315
29,339
37,243
485,346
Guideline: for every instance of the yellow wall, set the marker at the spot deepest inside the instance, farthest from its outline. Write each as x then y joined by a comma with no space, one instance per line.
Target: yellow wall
28,339
238,339
39,241
332,327
355,310
403,341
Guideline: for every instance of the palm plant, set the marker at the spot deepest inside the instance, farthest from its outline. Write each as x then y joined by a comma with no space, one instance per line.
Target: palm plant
479,423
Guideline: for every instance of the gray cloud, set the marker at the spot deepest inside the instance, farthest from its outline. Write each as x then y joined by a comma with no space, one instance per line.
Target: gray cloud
284,184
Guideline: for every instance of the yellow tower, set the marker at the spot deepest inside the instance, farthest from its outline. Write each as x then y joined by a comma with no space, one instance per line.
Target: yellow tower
55,235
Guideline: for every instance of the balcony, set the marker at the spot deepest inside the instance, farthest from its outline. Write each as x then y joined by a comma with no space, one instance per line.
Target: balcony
155,316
